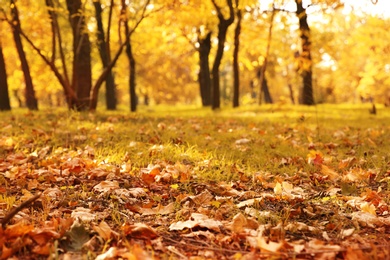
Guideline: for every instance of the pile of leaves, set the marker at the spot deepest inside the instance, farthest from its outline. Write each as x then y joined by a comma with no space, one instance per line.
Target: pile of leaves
138,187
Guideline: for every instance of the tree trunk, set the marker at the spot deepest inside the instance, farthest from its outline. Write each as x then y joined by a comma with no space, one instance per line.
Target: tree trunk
104,52
4,95
262,79
290,88
264,87
130,56
236,69
63,78
306,67
204,69
82,74
223,26
31,101
132,82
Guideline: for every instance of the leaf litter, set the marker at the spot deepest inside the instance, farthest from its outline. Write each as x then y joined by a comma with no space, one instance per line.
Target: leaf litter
213,197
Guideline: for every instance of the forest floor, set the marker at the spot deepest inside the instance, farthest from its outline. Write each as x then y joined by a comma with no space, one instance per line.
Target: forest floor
276,182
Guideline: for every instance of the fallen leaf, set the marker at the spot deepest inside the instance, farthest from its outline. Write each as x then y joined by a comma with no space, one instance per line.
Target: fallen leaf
368,207
111,253
106,186
329,172
370,220
78,236
104,230
83,214
139,230
203,198
197,220
160,210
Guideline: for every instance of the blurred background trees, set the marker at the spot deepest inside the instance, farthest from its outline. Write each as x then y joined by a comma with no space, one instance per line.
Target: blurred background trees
175,51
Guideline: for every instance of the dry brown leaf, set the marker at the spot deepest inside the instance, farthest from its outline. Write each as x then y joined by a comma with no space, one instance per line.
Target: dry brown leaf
106,186
202,199
139,230
160,210
197,220
355,253
370,220
273,247
200,234
83,214
111,253
43,235
238,223
329,172
104,230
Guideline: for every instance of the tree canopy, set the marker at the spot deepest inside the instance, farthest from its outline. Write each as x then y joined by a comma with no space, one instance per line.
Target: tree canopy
338,48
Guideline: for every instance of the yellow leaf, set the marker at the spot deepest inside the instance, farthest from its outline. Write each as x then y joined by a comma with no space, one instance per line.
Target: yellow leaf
175,186
329,172
368,207
278,188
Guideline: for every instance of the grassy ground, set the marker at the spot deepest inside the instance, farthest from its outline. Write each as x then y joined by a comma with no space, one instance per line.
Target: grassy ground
307,178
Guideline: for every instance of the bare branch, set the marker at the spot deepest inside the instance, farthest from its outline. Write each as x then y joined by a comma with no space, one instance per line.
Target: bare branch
15,211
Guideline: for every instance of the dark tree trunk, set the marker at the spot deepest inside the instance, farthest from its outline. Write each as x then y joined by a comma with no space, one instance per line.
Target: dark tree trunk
104,51
306,64
4,94
290,88
262,71
204,69
31,100
130,56
223,26
236,69
82,74
132,82
63,78
264,87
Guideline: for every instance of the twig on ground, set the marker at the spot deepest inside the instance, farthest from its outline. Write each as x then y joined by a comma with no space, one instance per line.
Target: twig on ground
15,211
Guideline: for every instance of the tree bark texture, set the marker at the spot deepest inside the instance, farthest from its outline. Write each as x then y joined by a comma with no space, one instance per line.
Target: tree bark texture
63,78
204,69
306,62
82,74
31,101
264,87
104,51
236,68
223,26
4,94
130,56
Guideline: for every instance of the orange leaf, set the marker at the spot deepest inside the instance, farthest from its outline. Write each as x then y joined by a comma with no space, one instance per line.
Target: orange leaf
5,252
17,230
42,236
103,230
44,249
139,230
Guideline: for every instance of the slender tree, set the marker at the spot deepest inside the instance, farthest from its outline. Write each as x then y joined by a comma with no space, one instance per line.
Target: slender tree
261,73
204,68
31,101
306,64
236,69
223,26
82,74
4,94
129,50
104,51
264,87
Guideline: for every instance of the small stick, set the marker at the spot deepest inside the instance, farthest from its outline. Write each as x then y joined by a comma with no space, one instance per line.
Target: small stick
15,211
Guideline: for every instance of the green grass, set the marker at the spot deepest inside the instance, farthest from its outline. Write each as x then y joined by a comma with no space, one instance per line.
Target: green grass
248,149
194,134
